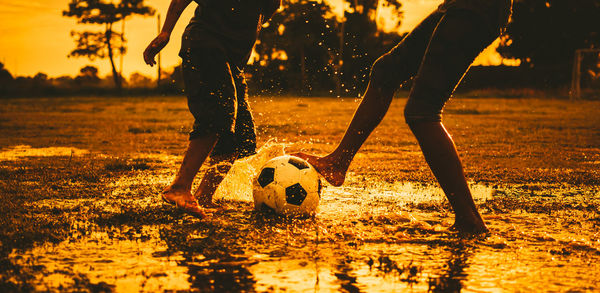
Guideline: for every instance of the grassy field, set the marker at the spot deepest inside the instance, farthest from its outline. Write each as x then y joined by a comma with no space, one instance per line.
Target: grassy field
87,172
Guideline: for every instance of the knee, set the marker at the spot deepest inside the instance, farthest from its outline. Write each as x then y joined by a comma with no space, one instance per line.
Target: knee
421,112
386,73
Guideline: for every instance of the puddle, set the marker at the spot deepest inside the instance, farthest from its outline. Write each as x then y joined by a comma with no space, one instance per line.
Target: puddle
20,151
131,263
525,253
385,237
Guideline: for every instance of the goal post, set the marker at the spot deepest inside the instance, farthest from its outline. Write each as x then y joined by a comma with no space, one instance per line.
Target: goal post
585,81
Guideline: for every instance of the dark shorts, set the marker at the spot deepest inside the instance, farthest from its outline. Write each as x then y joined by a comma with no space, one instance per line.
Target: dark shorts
217,98
438,52
495,13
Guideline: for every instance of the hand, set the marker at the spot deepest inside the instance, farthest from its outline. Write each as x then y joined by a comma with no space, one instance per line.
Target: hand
155,46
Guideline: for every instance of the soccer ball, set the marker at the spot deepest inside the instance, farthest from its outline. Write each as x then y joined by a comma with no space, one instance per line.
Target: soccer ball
288,186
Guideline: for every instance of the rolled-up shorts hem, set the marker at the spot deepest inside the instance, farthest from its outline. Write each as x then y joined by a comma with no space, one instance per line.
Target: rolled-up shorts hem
495,13
205,131
240,153
217,99
230,145
218,102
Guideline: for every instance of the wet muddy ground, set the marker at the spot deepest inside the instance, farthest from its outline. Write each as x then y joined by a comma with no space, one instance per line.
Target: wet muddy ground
80,179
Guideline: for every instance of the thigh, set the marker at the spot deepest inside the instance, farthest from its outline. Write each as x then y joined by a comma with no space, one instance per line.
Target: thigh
454,45
210,91
494,13
403,60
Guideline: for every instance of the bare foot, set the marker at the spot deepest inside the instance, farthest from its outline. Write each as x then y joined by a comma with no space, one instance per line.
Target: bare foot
470,228
326,166
207,203
183,200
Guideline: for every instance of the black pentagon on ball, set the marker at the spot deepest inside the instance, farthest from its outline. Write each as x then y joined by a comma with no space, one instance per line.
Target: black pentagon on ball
267,175
298,163
295,194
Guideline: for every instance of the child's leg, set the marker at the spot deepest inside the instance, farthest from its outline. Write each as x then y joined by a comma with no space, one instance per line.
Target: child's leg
211,100
240,144
458,39
179,192
387,74
219,167
195,155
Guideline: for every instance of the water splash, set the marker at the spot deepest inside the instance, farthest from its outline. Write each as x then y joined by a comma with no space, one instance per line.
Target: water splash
237,185
403,192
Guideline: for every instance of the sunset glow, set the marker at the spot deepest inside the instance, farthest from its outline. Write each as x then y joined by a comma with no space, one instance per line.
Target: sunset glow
341,146
36,37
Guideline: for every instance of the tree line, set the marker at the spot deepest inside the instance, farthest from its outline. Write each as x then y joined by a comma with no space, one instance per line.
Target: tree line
307,49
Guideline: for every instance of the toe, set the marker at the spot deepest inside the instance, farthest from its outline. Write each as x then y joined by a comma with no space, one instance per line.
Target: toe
167,199
192,208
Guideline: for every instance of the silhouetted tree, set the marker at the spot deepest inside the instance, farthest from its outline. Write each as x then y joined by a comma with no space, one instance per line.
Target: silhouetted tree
307,48
545,34
88,76
5,76
299,46
6,80
363,41
103,44
139,80
64,82
369,9
40,78
91,71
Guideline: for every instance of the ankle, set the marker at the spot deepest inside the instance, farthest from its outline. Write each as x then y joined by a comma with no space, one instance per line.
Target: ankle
178,187
339,163
470,223
203,200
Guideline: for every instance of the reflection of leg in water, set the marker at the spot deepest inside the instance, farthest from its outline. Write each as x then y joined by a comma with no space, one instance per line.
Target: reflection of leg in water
458,39
387,74
451,279
221,276
214,263
346,274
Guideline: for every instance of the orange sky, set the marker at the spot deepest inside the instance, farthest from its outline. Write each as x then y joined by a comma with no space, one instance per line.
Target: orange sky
36,37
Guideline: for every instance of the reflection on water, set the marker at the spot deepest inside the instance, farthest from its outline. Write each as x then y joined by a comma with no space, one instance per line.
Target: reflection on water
16,152
124,259
368,248
379,238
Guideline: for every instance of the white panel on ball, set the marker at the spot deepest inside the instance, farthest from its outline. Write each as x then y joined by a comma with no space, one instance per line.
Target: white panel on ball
289,186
